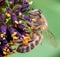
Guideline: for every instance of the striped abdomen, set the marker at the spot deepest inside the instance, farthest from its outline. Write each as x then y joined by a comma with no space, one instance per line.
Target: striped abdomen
30,46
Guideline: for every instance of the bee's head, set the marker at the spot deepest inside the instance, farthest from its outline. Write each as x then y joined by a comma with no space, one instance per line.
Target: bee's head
35,14
38,18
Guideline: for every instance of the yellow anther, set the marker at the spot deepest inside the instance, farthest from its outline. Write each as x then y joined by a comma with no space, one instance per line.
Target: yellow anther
8,50
0,42
4,49
14,34
16,22
4,53
27,37
30,3
20,22
11,43
15,38
2,35
33,20
11,2
7,14
20,13
7,44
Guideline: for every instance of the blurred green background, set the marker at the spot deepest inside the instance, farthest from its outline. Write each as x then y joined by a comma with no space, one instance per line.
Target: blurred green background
51,10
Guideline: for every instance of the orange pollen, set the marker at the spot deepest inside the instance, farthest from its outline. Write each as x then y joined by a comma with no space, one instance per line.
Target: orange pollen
25,42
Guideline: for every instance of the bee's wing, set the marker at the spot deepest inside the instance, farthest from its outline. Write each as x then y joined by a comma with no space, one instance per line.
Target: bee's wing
50,37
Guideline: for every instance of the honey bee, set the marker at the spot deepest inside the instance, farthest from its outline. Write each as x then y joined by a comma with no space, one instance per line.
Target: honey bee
31,44
38,25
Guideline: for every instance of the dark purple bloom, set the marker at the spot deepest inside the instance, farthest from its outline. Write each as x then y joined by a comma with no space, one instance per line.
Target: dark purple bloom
25,5
19,35
22,32
23,9
14,18
3,41
1,17
8,10
11,29
26,18
19,6
23,1
3,28
1,47
17,12
1,55
21,27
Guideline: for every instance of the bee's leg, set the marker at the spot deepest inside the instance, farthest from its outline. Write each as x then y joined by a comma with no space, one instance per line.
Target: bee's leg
32,34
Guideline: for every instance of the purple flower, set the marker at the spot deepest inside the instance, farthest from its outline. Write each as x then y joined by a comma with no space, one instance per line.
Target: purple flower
19,7
11,29
3,41
19,35
9,10
1,47
1,55
23,9
14,18
3,28
23,1
20,26
1,17
22,32
17,12
26,18
25,5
